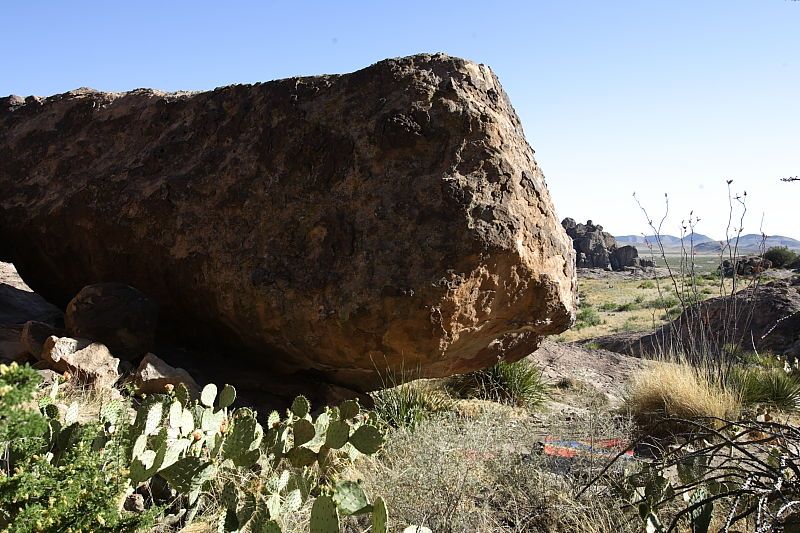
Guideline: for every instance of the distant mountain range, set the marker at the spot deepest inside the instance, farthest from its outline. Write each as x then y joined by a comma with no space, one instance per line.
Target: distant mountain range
703,244
666,240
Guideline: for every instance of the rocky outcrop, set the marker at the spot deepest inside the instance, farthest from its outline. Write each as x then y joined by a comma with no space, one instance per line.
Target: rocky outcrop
766,318
18,305
343,225
116,315
744,266
595,248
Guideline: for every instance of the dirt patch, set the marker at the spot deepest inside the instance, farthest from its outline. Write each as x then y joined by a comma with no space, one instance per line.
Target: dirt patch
570,366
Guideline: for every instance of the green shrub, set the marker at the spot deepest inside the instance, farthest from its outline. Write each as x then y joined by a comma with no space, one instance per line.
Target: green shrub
662,302
647,284
672,313
521,384
720,476
587,317
630,324
406,405
780,256
58,476
621,308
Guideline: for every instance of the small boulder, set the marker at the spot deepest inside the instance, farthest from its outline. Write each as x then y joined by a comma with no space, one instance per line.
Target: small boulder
154,374
11,349
34,334
89,360
115,314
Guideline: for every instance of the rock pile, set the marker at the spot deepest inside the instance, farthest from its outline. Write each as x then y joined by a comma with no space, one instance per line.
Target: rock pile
344,226
595,248
745,266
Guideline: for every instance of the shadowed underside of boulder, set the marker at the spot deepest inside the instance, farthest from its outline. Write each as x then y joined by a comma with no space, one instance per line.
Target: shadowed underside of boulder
385,219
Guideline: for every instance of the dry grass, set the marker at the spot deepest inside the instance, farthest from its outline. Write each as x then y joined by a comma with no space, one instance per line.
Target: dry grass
678,389
486,473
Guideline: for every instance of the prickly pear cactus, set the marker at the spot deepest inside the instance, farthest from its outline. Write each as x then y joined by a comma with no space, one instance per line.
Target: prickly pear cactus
188,442
302,452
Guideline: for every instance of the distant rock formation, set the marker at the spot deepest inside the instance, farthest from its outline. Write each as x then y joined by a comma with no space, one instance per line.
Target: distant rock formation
595,248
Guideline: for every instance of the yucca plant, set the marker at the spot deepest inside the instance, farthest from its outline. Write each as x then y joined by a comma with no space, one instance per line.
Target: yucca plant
767,386
520,383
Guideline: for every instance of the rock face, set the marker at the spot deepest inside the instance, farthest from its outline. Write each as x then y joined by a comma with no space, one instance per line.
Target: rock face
116,315
346,225
595,248
767,317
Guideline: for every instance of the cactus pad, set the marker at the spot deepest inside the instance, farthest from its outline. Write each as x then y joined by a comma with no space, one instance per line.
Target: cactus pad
324,517
350,498
367,439
300,407
380,516
301,456
303,431
208,395
226,397
348,409
337,434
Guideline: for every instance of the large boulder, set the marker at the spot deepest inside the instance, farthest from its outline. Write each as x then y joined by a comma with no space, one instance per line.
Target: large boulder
18,303
154,374
624,256
116,315
392,218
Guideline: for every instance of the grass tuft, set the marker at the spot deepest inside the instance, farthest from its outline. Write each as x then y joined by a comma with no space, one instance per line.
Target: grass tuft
678,389
406,405
587,317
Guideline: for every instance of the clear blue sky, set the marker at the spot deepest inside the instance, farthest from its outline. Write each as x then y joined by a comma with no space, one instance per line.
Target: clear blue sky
615,97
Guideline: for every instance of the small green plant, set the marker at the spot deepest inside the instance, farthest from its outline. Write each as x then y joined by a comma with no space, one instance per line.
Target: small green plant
630,324
662,302
671,313
621,308
740,475
647,284
587,317
520,383
306,456
59,474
